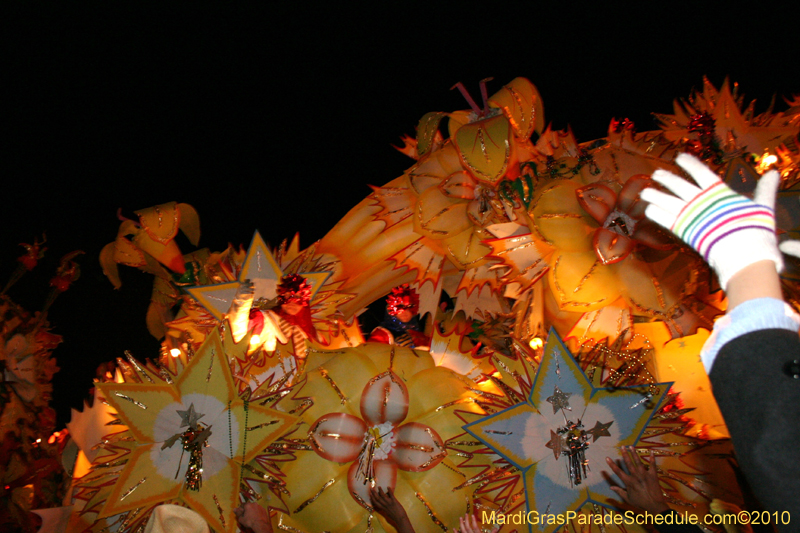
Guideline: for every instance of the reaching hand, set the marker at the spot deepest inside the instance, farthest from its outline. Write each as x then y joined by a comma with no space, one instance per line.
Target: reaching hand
392,510
254,517
469,524
642,488
729,230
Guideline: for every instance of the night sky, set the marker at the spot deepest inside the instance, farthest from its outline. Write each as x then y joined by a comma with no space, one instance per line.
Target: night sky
279,119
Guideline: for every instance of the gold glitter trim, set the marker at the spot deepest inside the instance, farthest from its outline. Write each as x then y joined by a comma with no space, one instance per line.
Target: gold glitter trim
263,475
363,502
305,403
564,295
210,366
129,518
433,459
219,508
163,373
289,446
138,368
430,511
265,424
134,402
424,225
325,375
454,402
317,495
133,488
284,527
559,215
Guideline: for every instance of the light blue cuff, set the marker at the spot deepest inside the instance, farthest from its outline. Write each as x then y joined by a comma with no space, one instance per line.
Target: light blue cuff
752,315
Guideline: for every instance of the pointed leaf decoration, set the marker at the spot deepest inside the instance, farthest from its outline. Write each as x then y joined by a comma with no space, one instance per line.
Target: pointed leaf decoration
396,203
521,259
564,422
522,105
189,223
456,120
421,259
158,227
426,131
485,147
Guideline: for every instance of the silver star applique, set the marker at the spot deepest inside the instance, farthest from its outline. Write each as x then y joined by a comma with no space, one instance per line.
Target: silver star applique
560,400
190,417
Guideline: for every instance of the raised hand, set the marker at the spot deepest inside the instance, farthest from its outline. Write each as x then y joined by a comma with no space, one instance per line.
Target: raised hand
728,229
392,510
642,488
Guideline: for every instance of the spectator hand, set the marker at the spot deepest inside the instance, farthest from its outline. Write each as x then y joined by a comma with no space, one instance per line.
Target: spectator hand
729,230
386,504
469,524
642,488
254,517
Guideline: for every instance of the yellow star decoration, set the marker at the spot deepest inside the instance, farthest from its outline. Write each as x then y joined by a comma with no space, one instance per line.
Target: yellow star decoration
156,412
262,269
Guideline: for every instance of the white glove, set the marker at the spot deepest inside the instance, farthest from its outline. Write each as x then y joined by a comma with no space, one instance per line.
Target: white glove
729,230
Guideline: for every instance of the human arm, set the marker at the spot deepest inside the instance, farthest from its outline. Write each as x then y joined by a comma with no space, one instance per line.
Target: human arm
253,517
735,235
753,355
387,505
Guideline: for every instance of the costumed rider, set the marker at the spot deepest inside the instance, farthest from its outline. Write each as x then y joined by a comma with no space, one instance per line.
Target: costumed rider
286,316
753,355
401,324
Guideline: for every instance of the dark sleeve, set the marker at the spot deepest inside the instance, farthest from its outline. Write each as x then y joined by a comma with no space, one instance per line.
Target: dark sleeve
759,397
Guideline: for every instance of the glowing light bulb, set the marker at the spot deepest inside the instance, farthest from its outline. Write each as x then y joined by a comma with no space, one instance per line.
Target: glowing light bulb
175,352
766,161
255,340
536,343
271,343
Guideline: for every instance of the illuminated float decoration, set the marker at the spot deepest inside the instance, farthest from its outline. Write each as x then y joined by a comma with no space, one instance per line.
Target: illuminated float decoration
526,230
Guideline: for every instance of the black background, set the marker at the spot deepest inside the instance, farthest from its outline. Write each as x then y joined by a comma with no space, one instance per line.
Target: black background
277,119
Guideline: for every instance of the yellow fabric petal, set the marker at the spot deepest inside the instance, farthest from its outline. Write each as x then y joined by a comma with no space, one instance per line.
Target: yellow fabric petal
486,148
322,505
579,281
559,219
429,497
521,103
466,249
336,386
438,216
434,395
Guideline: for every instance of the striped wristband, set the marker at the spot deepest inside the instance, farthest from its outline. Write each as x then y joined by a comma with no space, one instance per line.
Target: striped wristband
716,213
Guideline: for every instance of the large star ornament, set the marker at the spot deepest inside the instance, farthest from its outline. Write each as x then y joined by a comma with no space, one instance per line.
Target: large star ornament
261,269
567,425
203,399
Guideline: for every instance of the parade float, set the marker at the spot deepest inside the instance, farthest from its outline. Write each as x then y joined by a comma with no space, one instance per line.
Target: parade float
535,323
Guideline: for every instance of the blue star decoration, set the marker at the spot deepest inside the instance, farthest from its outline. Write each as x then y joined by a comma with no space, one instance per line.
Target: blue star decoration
559,438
